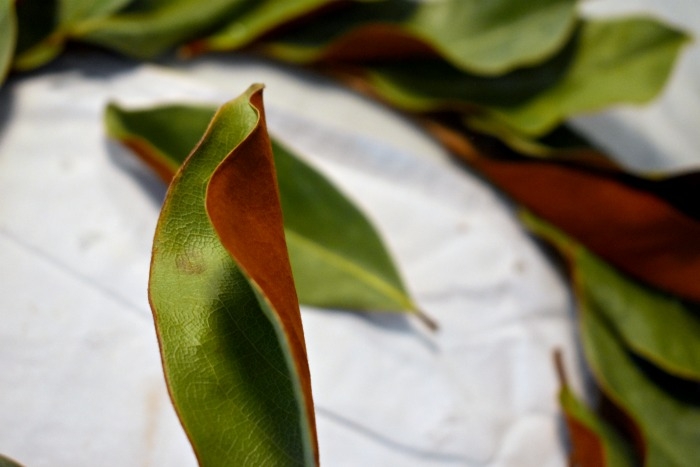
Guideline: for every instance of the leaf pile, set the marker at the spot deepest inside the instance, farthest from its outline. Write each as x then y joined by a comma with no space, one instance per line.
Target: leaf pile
495,82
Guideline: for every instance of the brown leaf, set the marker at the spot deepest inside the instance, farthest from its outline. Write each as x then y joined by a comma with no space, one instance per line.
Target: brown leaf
628,226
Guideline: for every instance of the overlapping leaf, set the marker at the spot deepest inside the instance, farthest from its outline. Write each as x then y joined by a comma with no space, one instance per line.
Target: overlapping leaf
46,26
8,36
480,36
593,441
606,63
148,28
224,302
254,20
625,224
337,257
620,319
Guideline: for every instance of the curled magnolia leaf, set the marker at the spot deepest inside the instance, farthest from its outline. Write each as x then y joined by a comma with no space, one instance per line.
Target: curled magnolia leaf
480,36
8,36
627,225
593,442
224,303
338,258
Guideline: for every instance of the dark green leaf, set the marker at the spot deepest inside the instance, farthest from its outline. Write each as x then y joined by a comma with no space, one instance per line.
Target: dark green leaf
8,36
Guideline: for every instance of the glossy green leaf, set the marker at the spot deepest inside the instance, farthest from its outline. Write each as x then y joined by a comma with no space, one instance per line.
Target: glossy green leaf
480,36
8,36
655,326
338,258
607,62
254,20
224,304
148,28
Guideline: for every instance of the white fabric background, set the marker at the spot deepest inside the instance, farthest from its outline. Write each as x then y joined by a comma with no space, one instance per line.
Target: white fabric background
80,377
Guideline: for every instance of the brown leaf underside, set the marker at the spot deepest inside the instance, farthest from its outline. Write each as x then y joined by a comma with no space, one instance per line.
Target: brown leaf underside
248,220
632,229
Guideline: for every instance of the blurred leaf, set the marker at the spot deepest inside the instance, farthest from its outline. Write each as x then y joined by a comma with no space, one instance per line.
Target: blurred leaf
6,461
624,223
668,421
606,63
148,28
8,36
255,19
655,326
617,61
480,36
593,441
224,303
338,258
37,40
73,12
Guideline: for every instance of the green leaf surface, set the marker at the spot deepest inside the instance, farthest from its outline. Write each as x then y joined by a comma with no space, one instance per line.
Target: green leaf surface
655,326
224,304
619,320
8,36
38,41
480,36
255,19
606,63
147,28
338,258
668,421
72,12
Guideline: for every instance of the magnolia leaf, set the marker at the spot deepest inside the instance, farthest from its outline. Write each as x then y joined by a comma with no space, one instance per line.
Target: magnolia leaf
624,223
147,28
606,63
666,414
338,258
45,27
8,36
253,21
480,36
593,441
224,303
617,61
644,319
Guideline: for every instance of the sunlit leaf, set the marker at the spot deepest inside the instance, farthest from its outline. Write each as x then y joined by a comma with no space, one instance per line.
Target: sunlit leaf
8,36
338,258
593,442
481,36
607,62
147,28
224,302
254,20
655,326
617,218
